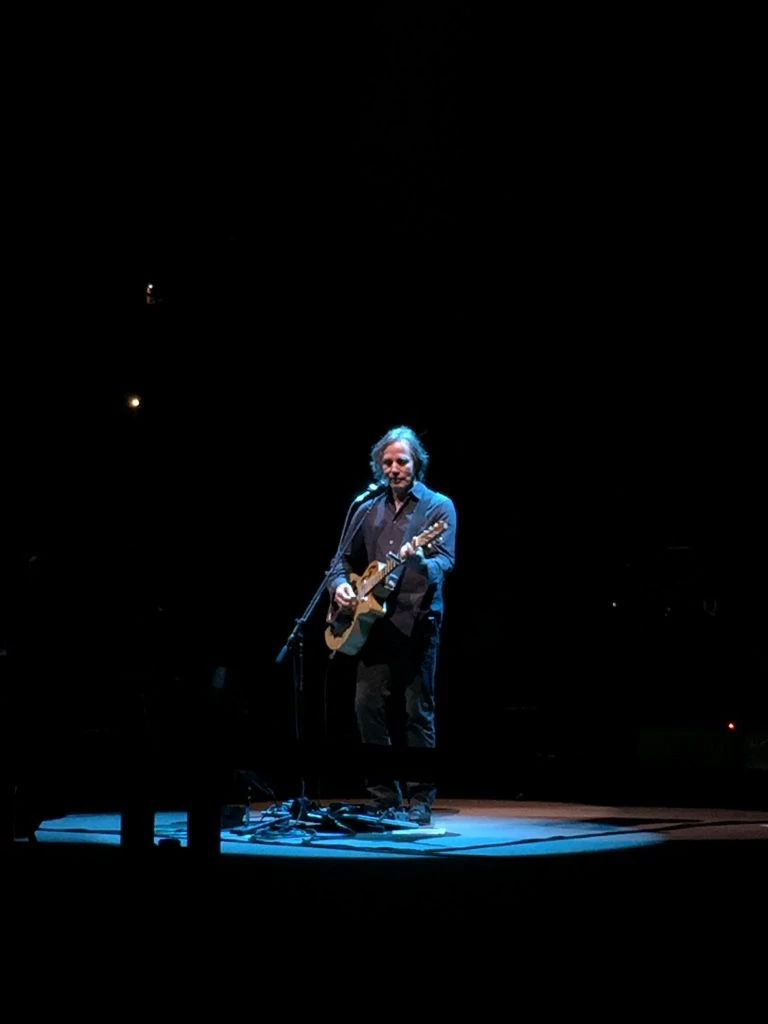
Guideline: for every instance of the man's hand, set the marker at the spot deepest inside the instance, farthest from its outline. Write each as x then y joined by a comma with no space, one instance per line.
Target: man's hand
414,554
344,595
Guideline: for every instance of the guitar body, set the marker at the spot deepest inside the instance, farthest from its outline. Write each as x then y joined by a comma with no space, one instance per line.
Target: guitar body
348,629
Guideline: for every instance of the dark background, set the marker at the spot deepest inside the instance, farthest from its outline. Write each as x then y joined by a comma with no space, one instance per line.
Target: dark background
532,243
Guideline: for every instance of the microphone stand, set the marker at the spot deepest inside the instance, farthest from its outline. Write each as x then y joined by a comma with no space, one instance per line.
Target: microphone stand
295,641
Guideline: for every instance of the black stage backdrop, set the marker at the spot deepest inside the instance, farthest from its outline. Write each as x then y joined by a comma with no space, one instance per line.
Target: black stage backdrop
537,254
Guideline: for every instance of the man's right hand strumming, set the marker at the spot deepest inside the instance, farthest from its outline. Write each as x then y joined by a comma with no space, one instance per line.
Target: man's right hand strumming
345,595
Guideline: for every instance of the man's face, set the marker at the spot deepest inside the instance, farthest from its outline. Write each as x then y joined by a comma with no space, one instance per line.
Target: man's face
398,467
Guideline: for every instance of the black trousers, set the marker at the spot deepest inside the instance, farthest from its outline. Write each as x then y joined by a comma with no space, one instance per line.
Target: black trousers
395,708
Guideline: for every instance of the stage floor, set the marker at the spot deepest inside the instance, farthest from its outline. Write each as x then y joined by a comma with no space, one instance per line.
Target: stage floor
524,886
461,829
512,851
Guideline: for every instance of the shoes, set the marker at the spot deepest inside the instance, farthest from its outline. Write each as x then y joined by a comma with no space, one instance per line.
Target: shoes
384,809
388,802
420,814
386,799
421,796
385,805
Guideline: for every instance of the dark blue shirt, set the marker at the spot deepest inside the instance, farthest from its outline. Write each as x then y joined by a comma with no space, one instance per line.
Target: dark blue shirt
378,531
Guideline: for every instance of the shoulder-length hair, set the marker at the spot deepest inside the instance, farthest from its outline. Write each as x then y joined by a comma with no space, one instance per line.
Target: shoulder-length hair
407,436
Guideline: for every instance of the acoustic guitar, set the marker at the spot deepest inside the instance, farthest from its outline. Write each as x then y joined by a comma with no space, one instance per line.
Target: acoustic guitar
348,628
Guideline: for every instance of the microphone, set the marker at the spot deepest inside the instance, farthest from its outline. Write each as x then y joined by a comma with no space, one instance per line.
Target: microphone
371,491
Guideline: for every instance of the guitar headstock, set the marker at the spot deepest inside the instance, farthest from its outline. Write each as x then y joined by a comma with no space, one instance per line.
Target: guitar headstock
431,533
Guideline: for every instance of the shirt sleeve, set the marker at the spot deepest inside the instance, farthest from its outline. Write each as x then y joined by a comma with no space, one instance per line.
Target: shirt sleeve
441,553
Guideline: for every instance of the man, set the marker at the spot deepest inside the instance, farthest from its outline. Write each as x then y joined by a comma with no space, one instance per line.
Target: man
404,539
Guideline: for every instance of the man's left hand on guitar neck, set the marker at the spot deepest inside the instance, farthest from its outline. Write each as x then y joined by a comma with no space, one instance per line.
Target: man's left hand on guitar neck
413,554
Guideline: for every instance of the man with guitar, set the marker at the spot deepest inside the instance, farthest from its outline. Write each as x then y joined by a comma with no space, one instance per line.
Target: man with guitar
386,610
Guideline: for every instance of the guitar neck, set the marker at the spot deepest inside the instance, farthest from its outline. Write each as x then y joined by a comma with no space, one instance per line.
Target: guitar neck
374,580
393,561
